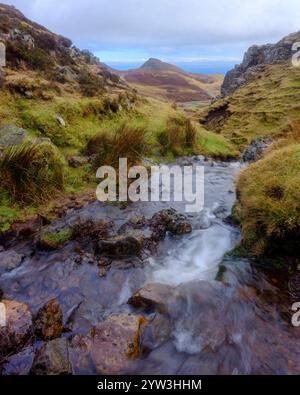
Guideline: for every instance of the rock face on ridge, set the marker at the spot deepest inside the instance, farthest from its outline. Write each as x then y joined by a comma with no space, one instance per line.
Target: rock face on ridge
255,59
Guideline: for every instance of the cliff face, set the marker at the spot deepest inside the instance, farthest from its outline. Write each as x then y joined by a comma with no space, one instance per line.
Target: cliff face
255,59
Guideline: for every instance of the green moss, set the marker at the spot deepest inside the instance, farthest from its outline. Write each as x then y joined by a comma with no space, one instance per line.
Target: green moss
56,240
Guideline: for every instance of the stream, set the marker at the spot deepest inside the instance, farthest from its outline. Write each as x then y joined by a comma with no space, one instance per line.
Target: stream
227,315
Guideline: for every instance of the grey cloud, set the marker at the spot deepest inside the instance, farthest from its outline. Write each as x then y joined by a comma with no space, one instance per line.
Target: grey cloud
181,23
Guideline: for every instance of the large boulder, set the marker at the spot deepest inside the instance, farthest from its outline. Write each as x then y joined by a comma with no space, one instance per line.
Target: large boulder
153,296
52,359
115,341
15,327
48,323
11,135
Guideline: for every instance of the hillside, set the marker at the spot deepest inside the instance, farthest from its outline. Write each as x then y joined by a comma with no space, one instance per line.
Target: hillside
63,113
162,80
262,100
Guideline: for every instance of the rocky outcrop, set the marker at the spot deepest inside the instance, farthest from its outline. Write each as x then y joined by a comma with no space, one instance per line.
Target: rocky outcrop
52,359
16,327
115,341
256,149
255,59
48,323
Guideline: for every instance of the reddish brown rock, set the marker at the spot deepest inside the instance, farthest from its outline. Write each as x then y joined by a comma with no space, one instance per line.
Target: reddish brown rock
48,323
15,327
153,296
115,341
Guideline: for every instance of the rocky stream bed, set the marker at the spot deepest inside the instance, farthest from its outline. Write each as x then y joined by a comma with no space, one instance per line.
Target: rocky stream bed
144,289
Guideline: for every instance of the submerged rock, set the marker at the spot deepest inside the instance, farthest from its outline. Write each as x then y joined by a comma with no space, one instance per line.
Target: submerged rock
115,341
203,222
48,323
16,327
157,332
121,245
52,359
19,364
153,296
9,260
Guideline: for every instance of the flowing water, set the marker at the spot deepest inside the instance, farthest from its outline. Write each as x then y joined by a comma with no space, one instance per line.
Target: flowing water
239,325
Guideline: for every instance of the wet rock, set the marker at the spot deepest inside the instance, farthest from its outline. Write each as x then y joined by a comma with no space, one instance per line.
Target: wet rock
170,220
157,332
203,222
115,341
91,230
48,323
102,272
52,359
121,245
19,364
9,260
28,226
80,355
86,259
16,327
220,211
11,135
153,296
77,161
256,149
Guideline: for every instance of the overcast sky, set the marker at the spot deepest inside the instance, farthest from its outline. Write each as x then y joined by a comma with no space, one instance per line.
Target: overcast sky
173,30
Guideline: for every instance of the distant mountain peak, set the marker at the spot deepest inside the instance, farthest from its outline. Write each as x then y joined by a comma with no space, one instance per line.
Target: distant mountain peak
157,64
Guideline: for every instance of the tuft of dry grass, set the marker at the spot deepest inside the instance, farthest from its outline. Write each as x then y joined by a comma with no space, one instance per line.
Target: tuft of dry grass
178,135
126,142
31,172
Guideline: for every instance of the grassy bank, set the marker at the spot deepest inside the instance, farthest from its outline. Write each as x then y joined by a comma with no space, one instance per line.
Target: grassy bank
71,122
268,207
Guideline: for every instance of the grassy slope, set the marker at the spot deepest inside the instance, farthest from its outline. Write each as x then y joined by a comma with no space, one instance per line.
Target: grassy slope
269,203
189,88
266,106
85,118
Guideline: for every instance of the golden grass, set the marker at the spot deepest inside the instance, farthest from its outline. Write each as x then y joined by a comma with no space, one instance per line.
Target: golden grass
269,202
